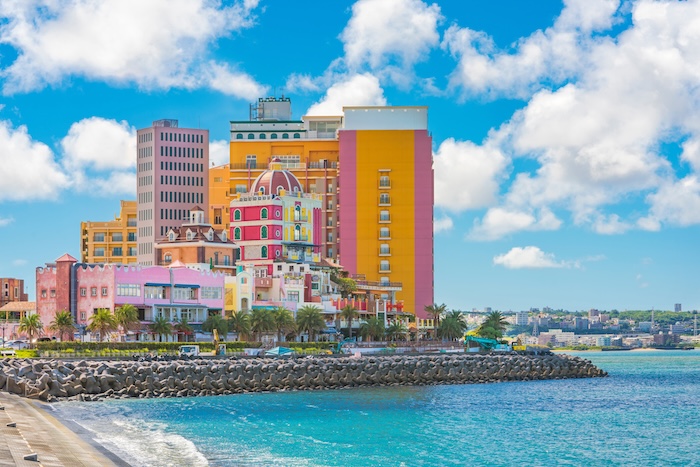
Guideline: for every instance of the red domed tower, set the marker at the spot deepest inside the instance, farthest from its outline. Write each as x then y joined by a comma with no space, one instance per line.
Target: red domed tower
276,221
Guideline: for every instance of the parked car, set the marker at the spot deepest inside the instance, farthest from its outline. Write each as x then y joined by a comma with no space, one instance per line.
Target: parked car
17,344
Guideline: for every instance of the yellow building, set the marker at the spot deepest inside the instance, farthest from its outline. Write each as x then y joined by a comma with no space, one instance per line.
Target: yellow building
111,241
219,198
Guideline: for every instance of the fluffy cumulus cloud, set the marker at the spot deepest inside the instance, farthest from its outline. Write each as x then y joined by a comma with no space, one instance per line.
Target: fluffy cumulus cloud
29,170
555,54
467,176
156,44
386,33
443,224
354,90
100,156
528,257
219,153
594,126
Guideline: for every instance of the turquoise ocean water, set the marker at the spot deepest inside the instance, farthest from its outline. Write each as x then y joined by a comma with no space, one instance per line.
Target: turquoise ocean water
646,413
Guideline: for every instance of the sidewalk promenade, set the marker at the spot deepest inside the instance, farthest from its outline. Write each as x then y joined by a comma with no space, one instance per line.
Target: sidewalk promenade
37,432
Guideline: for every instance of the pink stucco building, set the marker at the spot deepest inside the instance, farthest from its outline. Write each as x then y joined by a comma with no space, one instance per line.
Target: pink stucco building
174,292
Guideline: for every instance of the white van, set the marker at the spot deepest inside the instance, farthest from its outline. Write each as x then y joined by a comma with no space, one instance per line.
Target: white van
189,351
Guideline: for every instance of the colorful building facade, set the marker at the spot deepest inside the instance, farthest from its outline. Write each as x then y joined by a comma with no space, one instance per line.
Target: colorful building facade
276,221
12,290
386,199
173,293
219,197
172,176
111,241
197,245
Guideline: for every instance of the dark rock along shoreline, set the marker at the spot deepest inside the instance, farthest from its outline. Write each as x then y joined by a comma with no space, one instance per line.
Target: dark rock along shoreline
55,380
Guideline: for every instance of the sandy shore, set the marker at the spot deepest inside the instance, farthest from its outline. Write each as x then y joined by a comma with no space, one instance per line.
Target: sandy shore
38,432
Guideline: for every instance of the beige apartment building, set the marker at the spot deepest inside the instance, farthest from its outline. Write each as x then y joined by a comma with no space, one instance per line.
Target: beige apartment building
110,241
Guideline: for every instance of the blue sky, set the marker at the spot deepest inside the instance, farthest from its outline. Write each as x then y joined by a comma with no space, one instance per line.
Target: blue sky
566,134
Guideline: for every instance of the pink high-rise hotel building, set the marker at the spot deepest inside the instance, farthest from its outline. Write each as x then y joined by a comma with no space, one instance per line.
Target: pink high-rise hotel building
172,177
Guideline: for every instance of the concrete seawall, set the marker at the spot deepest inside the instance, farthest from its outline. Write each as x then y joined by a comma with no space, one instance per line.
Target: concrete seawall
54,380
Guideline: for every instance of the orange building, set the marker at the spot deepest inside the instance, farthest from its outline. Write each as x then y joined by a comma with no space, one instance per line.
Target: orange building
219,198
111,241
197,245
308,148
12,290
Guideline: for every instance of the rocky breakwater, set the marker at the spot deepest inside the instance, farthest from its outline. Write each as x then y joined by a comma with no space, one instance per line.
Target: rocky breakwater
53,380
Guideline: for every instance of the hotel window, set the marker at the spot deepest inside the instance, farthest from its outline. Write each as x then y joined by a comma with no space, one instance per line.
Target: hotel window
211,293
43,293
237,233
384,249
262,136
263,252
128,290
99,252
263,231
104,291
117,251
384,182
117,237
83,292
384,198
82,313
263,213
384,216
293,296
53,293
251,136
93,291
384,265
154,292
131,237
168,258
98,237
384,280
239,136
273,136
384,232
285,136
297,136
251,161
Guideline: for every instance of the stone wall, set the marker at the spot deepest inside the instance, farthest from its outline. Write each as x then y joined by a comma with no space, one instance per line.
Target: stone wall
53,380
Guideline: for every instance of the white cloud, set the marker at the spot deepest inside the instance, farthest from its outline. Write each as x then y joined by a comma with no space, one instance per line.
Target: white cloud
234,83
5,221
19,262
100,144
499,222
28,170
354,90
382,30
555,54
443,224
155,44
467,176
219,152
529,257
100,156
596,140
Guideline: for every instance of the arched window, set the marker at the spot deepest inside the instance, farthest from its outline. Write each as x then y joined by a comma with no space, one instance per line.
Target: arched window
237,233
263,231
251,136
262,136
297,232
263,252
263,213
237,215
297,213
273,136
285,136
239,136
280,189
262,190
297,136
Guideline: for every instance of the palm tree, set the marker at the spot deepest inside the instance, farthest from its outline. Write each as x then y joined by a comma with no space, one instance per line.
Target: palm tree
453,325
435,311
103,321
183,327
284,321
373,328
396,330
261,321
62,323
493,327
349,313
310,320
127,317
216,322
239,322
161,326
31,324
